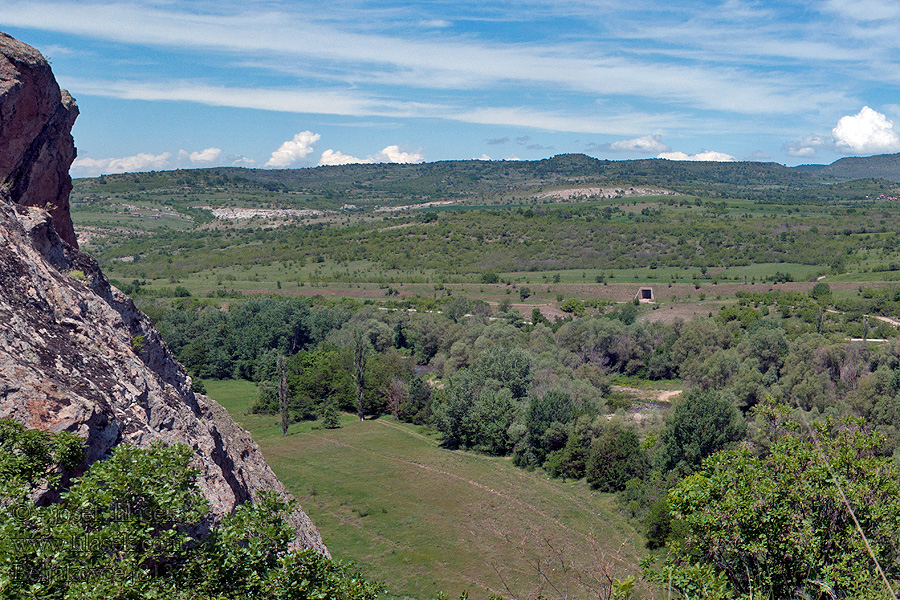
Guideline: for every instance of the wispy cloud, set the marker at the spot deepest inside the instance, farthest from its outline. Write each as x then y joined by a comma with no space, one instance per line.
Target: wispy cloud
357,104
435,24
806,147
448,62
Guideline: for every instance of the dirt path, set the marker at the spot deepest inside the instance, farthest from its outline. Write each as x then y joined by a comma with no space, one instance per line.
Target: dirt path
888,320
647,394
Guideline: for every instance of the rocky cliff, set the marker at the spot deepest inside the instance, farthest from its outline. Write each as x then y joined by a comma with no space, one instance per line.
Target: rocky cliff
36,147
75,353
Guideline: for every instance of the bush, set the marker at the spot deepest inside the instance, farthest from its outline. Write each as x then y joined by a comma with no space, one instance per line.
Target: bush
701,424
615,457
776,526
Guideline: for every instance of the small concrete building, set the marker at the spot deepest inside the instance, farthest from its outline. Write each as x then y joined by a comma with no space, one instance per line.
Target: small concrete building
645,294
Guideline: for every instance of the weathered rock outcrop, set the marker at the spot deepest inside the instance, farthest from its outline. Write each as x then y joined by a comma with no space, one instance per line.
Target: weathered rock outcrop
75,353
36,146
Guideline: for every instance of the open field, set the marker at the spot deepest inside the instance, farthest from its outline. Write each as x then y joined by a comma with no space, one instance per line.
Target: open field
424,519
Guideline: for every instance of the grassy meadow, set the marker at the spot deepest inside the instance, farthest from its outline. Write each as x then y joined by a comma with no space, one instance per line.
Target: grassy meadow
424,519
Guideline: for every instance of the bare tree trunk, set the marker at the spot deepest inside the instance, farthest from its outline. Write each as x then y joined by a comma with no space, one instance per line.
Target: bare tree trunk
360,354
283,393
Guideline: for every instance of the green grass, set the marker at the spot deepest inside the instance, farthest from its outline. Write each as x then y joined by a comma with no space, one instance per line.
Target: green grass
424,519
665,274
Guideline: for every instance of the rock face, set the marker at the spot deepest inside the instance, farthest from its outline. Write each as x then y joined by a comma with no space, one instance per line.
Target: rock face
36,146
75,353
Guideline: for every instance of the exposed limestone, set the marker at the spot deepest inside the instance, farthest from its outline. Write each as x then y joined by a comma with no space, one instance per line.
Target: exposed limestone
75,353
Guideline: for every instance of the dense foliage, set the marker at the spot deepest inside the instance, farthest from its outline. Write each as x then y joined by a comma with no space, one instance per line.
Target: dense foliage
777,522
129,528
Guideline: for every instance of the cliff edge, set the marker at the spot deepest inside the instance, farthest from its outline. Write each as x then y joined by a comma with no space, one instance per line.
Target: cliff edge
75,353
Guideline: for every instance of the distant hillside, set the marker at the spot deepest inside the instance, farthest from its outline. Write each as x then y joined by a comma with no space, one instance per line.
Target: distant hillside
814,168
473,181
467,176
883,166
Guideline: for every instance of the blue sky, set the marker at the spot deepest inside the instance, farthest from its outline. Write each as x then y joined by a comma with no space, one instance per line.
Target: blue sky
265,83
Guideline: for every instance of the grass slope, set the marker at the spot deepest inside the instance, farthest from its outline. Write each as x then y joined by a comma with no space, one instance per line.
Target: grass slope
424,519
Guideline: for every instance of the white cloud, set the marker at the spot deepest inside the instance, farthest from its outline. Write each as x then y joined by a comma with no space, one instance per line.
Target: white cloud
336,157
144,161
393,154
293,150
702,156
203,158
868,132
390,154
209,155
236,160
90,167
646,143
484,157
807,147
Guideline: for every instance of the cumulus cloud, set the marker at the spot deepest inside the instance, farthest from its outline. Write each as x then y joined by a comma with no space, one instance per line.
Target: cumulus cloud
393,154
484,157
336,157
807,147
203,158
645,143
91,167
209,155
701,156
390,154
867,132
293,150
236,160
